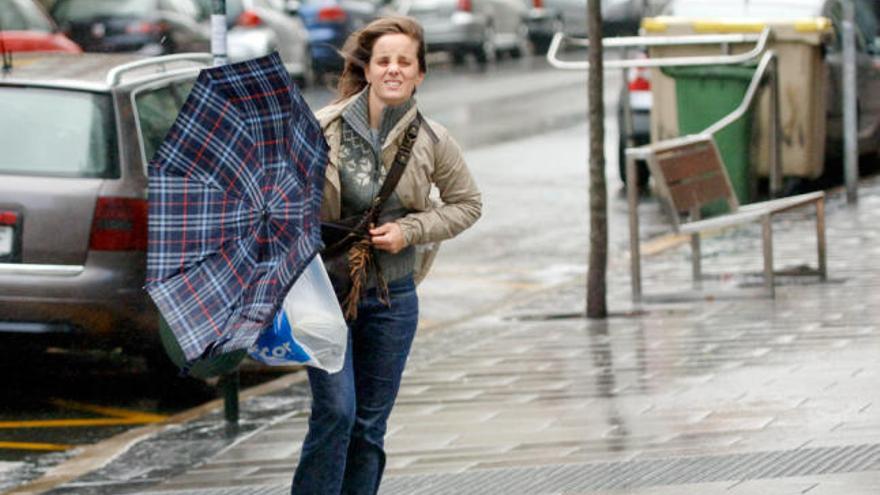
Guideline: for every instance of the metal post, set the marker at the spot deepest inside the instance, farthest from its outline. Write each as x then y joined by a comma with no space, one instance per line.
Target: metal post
218,32
627,108
850,105
820,239
229,387
632,195
696,253
767,240
775,131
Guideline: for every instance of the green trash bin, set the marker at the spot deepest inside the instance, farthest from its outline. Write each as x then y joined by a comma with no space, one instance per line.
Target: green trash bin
704,95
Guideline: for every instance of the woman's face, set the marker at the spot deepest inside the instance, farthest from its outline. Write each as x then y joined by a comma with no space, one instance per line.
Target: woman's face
394,71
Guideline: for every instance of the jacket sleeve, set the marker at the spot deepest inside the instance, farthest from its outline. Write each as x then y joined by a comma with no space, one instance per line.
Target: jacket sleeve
461,200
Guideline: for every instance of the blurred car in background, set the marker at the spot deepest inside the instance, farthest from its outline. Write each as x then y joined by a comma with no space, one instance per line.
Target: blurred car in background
25,27
637,91
483,28
73,195
619,18
329,23
150,27
258,27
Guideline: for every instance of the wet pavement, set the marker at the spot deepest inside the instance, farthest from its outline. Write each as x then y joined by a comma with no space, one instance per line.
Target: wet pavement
742,396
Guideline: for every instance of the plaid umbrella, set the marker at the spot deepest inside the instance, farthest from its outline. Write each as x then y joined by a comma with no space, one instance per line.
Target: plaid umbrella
235,194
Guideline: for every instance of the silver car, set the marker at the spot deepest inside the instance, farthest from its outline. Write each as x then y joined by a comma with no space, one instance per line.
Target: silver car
483,28
259,27
619,18
76,133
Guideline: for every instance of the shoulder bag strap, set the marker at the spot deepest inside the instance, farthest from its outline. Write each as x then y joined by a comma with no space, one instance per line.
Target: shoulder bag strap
401,158
371,215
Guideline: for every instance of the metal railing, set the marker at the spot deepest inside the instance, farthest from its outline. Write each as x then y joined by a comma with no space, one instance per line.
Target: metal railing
760,41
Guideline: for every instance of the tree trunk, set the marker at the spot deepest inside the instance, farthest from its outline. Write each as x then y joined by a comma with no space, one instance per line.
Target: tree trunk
596,300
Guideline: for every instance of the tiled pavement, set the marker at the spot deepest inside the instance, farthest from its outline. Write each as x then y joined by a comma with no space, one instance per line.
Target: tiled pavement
745,396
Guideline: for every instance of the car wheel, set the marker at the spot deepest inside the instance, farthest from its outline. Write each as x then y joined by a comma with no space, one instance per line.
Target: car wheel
642,173
486,52
542,44
523,47
307,78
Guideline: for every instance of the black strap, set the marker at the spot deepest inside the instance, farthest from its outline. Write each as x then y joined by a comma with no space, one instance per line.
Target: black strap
371,215
401,158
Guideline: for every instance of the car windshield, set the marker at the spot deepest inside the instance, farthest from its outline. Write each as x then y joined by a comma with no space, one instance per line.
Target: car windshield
22,15
788,9
156,110
38,139
78,10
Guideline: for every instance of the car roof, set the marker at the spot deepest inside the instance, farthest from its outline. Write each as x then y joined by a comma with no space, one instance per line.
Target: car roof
89,71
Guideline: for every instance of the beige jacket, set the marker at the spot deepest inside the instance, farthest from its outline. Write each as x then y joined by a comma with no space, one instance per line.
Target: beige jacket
436,159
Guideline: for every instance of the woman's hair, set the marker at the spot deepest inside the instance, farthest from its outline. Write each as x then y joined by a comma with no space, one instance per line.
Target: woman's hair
358,49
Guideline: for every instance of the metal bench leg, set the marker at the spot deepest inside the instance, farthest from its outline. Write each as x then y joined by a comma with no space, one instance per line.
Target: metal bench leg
820,238
767,237
696,261
635,248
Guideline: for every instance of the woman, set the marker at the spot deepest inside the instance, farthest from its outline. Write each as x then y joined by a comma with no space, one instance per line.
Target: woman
385,63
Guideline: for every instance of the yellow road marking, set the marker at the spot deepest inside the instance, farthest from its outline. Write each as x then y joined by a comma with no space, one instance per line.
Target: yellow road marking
662,243
34,446
114,417
73,422
113,412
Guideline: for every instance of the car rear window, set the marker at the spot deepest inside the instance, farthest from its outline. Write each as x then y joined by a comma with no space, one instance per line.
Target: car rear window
56,133
80,10
22,15
429,6
156,110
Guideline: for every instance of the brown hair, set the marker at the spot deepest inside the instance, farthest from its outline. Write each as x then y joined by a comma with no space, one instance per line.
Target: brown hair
358,49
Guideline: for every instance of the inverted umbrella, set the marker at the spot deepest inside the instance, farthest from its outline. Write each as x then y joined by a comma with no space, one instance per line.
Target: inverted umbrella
235,193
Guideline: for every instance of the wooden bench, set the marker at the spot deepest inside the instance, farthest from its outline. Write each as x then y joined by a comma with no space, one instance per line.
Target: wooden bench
689,173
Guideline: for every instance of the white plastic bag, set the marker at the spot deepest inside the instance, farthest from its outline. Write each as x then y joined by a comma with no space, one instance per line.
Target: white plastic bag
309,328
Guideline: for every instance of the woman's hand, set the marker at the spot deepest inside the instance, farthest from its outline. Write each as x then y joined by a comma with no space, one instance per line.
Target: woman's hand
388,237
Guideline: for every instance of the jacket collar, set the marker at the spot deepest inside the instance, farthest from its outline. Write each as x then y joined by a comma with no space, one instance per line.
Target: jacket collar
356,115
333,112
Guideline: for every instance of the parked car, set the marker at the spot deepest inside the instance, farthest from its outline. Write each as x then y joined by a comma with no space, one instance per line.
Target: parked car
483,28
73,195
619,18
150,27
258,27
329,23
637,91
25,27
868,61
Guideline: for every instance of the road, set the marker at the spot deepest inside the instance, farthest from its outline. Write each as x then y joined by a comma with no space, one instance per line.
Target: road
522,127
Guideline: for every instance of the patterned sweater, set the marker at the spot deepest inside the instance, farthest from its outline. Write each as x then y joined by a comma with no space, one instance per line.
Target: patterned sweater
361,176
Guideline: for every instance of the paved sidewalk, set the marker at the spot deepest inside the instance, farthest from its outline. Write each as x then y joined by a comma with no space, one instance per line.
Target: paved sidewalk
746,396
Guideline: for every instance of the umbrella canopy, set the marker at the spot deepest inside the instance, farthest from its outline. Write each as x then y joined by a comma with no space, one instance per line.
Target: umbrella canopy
235,194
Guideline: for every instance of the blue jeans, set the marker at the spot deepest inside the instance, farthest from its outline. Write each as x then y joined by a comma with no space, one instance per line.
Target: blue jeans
343,452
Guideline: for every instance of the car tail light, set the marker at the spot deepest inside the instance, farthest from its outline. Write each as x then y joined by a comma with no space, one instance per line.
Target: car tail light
249,18
8,218
333,13
640,80
465,6
538,4
120,224
144,28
